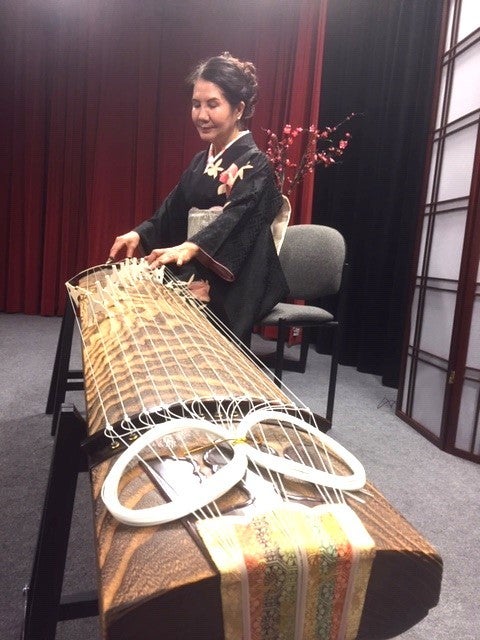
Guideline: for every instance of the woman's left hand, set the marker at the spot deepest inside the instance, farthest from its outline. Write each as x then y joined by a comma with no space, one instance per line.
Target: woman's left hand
179,255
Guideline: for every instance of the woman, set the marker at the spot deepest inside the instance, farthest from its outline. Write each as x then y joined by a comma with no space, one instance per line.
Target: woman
230,188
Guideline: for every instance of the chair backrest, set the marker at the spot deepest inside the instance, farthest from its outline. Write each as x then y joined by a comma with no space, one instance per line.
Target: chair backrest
312,258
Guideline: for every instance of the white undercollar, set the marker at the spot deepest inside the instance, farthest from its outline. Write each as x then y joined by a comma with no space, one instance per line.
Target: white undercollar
212,159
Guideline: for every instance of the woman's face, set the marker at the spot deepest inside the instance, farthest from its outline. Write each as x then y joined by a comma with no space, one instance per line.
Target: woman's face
213,116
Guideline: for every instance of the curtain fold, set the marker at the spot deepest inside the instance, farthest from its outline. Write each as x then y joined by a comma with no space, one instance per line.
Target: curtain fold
96,123
379,62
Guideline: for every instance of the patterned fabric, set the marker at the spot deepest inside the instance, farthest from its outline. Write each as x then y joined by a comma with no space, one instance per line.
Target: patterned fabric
295,573
198,219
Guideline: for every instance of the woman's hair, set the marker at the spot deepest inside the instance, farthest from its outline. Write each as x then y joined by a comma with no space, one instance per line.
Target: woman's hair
236,78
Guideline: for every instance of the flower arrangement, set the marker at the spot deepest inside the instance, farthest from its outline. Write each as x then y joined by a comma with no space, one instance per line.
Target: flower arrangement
323,147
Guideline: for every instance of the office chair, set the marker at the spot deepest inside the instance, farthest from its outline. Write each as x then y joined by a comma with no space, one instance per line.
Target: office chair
313,260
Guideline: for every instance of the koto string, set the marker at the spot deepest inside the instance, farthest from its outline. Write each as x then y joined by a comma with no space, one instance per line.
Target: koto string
160,361
147,369
279,481
102,301
108,429
257,372
221,349
111,316
339,496
188,310
86,352
256,360
86,356
127,423
183,309
144,410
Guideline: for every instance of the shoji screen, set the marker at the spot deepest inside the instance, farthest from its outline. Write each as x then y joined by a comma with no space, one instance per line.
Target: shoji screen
440,390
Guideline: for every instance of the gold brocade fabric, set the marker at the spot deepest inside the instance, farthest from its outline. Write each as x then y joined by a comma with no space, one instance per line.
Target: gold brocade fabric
295,573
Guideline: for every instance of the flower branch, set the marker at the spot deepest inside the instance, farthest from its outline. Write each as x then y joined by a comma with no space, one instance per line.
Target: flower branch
323,147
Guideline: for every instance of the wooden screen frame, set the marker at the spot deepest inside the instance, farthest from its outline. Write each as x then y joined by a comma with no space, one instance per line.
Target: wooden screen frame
456,371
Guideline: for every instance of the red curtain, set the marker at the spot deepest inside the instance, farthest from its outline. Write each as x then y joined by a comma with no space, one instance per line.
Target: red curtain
95,118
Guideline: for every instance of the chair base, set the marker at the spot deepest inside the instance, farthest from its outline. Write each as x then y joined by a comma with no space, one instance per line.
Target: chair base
279,363
289,364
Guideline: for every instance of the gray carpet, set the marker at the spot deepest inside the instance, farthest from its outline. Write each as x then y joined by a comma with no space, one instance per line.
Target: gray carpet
436,492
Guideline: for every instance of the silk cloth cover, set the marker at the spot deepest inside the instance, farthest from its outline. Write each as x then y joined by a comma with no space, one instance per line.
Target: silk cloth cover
295,573
238,255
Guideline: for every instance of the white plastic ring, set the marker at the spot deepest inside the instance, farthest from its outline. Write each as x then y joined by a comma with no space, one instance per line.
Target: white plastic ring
210,489
299,470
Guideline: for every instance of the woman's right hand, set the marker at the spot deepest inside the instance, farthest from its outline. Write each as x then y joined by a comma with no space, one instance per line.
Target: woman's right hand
129,241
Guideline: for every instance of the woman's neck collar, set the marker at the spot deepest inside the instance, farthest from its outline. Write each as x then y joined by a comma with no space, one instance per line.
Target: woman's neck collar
212,156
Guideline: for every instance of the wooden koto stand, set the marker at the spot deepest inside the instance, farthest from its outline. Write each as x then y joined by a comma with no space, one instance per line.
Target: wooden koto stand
154,582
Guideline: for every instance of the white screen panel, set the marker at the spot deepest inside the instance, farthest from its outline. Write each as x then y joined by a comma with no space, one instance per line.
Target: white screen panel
431,196
421,255
449,40
408,373
447,245
457,164
413,316
428,399
469,18
473,354
467,419
441,98
465,96
437,322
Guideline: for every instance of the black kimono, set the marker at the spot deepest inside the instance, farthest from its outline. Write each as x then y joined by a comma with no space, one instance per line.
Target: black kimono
237,253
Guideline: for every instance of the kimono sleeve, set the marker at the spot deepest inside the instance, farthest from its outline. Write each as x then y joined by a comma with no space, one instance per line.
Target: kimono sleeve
167,226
